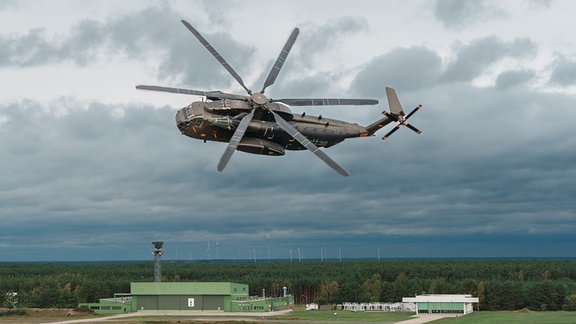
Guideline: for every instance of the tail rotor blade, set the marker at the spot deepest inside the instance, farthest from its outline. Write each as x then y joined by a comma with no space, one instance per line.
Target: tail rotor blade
280,60
217,55
396,113
391,116
416,130
391,132
309,145
413,111
235,140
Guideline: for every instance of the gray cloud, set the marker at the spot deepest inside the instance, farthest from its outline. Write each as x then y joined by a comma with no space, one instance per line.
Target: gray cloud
418,67
510,79
472,59
314,44
84,42
71,167
181,58
460,13
316,40
489,176
540,3
563,72
404,68
8,4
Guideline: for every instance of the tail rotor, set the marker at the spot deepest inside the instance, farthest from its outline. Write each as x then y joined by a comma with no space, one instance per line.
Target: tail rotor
396,113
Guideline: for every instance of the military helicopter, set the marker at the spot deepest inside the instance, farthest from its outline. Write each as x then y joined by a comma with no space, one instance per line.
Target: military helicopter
256,124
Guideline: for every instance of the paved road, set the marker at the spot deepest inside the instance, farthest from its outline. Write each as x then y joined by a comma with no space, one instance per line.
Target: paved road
425,318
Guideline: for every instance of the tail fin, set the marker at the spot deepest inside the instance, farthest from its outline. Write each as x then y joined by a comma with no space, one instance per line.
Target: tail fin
396,114
393,102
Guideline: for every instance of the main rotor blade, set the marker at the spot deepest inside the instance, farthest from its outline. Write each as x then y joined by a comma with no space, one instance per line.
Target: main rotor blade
235,140
213,94
280,60
326,102
217,55
309,145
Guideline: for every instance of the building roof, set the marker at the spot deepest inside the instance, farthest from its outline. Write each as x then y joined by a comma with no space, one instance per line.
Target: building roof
441,299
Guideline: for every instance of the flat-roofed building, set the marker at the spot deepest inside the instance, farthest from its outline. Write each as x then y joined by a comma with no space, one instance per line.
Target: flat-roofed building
191,297
442,304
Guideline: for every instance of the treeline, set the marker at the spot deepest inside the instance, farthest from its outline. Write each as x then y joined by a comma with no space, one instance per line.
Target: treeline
499,284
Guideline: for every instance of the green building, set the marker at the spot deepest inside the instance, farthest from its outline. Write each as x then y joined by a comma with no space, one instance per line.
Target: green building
189,297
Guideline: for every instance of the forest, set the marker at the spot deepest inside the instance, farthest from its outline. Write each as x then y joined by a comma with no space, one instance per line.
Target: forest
540,285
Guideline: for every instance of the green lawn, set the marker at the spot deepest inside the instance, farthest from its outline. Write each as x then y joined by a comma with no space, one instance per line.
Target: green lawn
344,316
390,317
302,316
524,317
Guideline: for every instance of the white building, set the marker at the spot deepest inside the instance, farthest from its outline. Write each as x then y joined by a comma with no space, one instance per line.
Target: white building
442,304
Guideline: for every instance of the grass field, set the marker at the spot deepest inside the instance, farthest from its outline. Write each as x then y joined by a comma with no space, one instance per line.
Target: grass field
524,317
302,316
344,316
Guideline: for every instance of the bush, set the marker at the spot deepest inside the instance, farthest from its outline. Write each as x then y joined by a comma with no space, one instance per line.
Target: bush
11,312
570,303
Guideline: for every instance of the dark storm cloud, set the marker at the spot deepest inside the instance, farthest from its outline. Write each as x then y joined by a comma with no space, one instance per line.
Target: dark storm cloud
563,72
482,160
84,175
474,58
73,167
459,13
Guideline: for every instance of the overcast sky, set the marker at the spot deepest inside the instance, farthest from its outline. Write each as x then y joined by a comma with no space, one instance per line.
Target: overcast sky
93,169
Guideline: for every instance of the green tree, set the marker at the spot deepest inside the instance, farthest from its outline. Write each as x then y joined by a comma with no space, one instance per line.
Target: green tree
570,302
481,293
328,291
372,288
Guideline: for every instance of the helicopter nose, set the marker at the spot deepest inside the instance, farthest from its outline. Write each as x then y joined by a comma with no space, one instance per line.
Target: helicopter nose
182,121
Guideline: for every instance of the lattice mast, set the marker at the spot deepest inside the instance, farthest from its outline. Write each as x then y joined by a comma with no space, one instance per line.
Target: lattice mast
157,254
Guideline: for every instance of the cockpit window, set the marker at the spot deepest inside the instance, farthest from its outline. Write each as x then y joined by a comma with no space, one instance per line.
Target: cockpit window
197,120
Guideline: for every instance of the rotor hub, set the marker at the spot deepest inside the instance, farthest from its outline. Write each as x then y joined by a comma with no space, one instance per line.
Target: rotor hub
259,99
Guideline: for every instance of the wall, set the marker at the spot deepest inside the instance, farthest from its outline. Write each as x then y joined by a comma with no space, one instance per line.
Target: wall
440,307
262,305
181,303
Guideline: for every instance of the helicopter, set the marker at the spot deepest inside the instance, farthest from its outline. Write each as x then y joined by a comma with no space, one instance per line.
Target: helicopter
256,124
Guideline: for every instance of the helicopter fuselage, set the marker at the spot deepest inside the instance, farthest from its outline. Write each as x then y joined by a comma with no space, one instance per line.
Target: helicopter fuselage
216,120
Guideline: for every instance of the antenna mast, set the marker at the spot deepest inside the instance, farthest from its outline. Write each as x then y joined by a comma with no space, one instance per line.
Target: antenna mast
157,254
